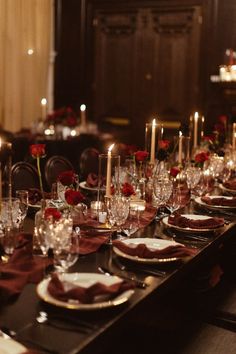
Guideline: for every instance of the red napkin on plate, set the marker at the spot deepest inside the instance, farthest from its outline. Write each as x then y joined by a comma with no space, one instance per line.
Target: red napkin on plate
221,201
85,295
142,251
182,221
92,180
230,184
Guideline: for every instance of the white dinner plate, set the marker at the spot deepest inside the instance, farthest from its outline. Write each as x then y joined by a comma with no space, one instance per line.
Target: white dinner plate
205,205
10,346
152,244
83,185
227,190
189,229
84,280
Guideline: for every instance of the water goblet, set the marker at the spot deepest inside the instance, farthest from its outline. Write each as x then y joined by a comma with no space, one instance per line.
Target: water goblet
66,251
119,209
23,196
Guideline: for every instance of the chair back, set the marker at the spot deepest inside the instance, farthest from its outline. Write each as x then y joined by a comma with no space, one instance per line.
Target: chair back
88,162
54,166
24,176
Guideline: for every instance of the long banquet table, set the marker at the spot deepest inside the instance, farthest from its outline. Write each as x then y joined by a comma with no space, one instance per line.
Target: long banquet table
112,323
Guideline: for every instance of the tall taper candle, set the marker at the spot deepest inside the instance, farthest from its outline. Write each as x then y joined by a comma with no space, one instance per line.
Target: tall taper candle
83,114
44,108
195,129
180,147
153,142
233,136
108,181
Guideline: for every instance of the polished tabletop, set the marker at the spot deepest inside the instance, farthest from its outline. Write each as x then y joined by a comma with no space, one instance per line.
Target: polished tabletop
20,314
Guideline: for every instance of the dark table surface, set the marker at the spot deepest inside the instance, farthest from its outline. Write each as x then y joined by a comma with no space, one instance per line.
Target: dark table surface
20,314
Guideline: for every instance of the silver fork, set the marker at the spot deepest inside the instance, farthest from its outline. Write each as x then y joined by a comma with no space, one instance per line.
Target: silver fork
155,272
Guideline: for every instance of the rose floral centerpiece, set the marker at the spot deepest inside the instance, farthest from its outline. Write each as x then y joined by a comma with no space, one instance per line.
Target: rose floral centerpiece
78,209
66,180
37,152
65,116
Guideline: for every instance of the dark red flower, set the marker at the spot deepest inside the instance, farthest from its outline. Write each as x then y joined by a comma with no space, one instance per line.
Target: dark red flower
71,121
53,213
222,119
67,178
37,150
174,171
141,155
220,128
201,157
73,197
127,189
164,144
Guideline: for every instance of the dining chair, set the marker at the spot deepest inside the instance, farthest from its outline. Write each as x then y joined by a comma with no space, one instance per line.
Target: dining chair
54,166
88,162
24,176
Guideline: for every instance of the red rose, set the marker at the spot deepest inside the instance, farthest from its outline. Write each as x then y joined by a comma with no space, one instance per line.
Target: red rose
73,197
140,155
71,121
52,213
201,157
127,190
164,144
174,171
222,119
37,150
67,178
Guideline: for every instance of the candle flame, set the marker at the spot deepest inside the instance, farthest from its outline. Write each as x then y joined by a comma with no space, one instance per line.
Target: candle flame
43,101
111,147
196,115
154,122
203,119
180,133
83,107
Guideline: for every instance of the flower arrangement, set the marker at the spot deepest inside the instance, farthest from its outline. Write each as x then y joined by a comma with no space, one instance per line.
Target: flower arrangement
65,116
38,151
73,197
127,189
164,150
52,213
200,158
67,178
215,142
141,155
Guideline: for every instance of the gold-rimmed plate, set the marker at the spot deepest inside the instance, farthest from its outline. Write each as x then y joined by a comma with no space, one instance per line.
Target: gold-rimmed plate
189,229
10,346
201,203
84,280
152,244
227,190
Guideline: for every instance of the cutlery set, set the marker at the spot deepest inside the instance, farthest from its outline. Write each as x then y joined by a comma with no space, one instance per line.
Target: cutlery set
139,283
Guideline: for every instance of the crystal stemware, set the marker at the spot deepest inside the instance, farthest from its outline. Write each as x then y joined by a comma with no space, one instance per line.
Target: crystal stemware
23,196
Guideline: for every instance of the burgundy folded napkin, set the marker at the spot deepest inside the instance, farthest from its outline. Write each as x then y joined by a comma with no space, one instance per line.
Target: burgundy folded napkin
182,221
66,291
89,245
22,268
147,216
92,180
221,201
142,251
230,184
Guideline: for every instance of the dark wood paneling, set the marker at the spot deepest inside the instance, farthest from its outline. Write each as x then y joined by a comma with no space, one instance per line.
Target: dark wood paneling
136,59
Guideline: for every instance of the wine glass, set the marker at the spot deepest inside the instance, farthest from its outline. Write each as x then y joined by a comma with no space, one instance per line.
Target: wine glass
66,251
175,201
23,196
119,210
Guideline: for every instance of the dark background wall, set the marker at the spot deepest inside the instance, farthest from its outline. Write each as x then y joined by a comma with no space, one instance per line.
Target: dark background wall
130,61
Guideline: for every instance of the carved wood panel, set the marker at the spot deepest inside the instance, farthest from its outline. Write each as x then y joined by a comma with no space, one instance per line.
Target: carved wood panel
146,64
